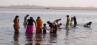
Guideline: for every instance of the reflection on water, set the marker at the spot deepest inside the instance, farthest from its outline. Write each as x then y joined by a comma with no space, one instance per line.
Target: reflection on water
53,38
38,39
29,39
16,38
67,37
67,33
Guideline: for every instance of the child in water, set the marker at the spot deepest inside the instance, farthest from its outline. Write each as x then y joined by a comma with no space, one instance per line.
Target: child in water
16,24
44,28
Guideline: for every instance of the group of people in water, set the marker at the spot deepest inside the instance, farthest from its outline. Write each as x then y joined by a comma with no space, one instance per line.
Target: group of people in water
71,22
42,28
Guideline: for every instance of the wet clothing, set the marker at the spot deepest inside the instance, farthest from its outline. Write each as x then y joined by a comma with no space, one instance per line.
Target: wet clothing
53,27
68,22
25,22
38,26
44,29
75,22
16,25
30,26
29,29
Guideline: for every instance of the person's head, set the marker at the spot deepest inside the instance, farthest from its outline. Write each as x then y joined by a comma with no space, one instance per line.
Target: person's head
48,22
38,17
44,24
16,17
31,17
67,15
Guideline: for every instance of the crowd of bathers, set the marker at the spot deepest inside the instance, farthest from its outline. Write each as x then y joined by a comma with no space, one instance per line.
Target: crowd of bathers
41,27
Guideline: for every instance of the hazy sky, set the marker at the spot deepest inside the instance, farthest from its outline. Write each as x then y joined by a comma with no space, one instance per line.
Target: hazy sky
65,3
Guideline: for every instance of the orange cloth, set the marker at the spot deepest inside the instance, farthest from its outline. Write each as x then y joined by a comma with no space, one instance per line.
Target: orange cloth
39,23
39,26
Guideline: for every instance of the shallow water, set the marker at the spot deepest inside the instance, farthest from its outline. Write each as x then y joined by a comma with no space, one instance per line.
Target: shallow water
75,36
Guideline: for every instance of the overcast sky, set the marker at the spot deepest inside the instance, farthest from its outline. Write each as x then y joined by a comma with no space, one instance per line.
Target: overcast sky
65,3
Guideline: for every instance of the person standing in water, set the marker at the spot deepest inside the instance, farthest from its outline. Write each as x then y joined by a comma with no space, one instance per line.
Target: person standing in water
71,20
68,22
38,25
16,24
53,27
75,22
25,20
44,28
30,25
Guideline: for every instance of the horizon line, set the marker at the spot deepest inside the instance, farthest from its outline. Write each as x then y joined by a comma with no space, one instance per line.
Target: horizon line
49,6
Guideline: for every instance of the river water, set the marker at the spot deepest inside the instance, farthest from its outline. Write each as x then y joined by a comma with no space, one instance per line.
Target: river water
75,36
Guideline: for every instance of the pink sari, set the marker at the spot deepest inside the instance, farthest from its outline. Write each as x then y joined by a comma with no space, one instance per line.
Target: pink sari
29,29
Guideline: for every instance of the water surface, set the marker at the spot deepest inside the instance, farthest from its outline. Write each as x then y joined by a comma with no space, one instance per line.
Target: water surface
75,36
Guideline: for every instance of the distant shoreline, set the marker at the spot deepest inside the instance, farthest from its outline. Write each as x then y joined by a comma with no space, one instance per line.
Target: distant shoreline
48,8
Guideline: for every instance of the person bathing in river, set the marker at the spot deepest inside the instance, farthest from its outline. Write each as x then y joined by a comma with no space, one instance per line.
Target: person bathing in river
25,20
71,21
53,27
16,24
57,23
44,28
39,25
67,22
30,25
88,24
75,21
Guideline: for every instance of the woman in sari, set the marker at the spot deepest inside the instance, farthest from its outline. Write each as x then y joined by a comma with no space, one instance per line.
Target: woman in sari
39,25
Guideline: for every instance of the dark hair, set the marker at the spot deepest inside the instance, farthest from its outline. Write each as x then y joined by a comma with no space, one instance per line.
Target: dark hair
44,24
67,15
48,22
16,17
38,17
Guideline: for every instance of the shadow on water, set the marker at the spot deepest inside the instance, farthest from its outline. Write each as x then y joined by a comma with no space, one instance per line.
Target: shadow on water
29,39
16,38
